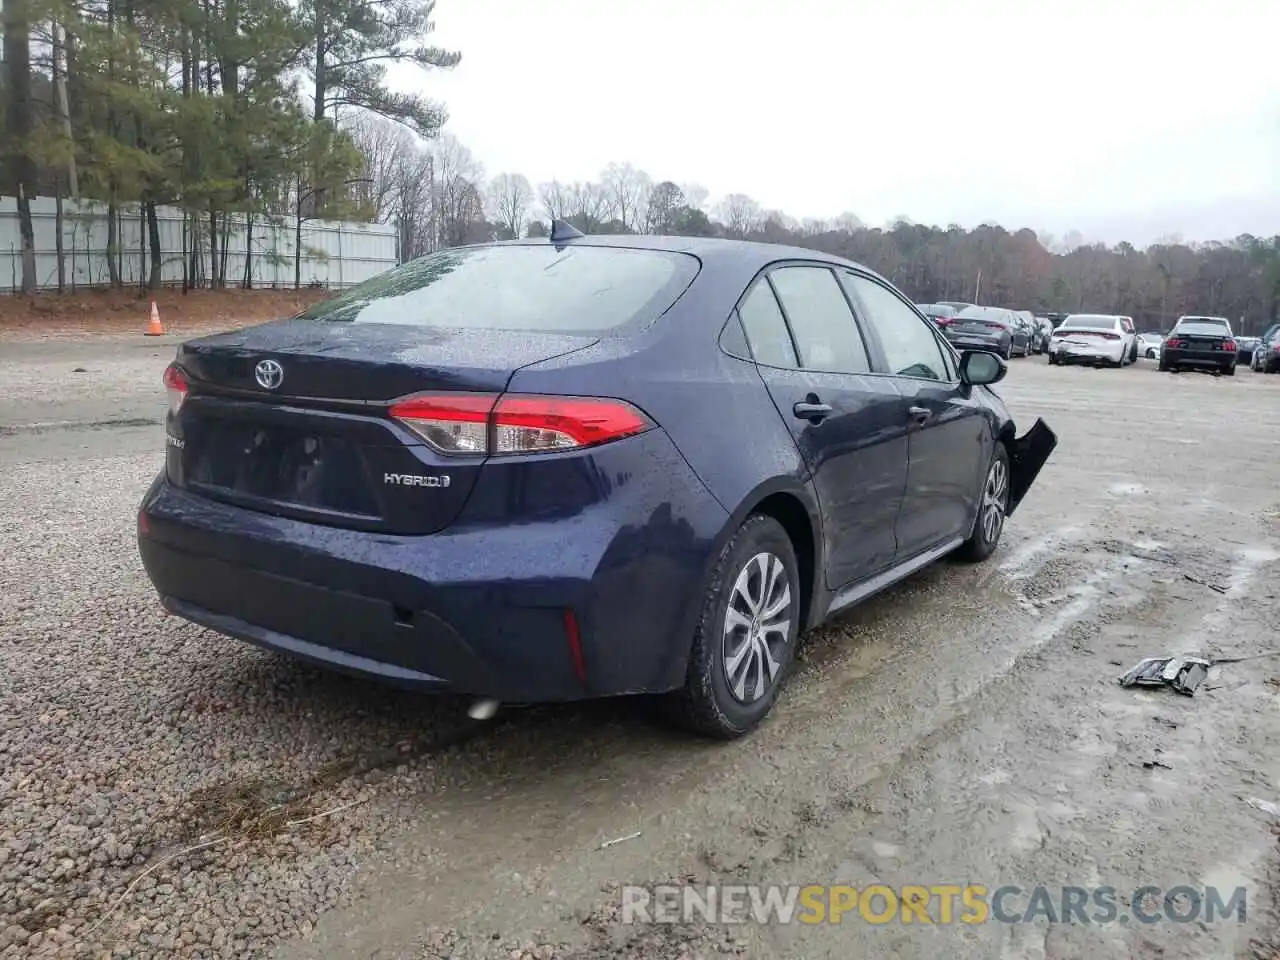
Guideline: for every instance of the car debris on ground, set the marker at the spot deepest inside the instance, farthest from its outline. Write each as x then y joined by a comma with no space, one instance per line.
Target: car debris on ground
1181,674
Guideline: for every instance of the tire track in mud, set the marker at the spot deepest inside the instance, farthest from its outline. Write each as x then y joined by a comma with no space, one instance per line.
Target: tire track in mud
1014,784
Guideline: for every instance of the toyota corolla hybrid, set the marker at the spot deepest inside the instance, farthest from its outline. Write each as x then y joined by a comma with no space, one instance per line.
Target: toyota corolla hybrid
577,467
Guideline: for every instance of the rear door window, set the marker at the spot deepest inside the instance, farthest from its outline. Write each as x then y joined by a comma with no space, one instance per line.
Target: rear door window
535,287
823,325
766,329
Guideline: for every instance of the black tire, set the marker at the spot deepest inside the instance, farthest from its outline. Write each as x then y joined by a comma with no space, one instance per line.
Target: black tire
1163,367
1053,360
1008,351
1230,371
706,704
981,543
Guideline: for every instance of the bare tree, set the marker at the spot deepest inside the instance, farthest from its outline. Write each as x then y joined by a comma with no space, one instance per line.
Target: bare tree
554,198
510,197
386,147
695,196
739,214
848,222
626,191
588,205
665,202
458,199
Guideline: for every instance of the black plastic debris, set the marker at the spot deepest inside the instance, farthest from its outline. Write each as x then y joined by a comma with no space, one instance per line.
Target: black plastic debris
1182,674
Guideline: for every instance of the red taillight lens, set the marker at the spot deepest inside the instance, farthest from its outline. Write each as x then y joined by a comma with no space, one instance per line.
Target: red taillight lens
945,321
472,424
1111,336
528,424
1231,346
1173,342
175,384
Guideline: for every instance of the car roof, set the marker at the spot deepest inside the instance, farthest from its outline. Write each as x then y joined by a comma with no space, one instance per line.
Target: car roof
710,250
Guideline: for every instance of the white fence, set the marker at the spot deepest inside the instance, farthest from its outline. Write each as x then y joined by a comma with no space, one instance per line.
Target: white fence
333,254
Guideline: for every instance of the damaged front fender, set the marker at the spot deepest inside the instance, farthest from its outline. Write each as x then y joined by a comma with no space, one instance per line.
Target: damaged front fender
1027,454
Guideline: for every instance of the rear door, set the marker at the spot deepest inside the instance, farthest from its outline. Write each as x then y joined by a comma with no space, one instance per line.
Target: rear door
950,440
846,423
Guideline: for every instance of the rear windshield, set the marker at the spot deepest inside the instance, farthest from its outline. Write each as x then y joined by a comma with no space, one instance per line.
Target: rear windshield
1083,321
537,287
935,310
1212,328
984,315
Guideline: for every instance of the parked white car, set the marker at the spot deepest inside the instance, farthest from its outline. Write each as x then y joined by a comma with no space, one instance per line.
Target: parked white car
1093,338
1149,345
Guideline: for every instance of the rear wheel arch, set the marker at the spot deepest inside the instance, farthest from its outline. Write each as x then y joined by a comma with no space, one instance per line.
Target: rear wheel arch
795,519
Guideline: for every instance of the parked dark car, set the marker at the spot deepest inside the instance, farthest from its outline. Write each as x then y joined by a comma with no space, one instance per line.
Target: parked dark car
1200,343
940,313
578,467
988,328
1266,356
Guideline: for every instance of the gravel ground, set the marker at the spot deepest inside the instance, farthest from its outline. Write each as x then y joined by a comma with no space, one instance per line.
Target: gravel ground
165,792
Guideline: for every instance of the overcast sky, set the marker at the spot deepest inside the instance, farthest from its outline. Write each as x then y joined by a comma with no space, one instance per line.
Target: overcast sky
1117,118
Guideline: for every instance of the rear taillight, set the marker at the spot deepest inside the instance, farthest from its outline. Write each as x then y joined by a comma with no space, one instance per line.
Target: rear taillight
1231,346
175,384
1110,336
472,424
945,321
1173,342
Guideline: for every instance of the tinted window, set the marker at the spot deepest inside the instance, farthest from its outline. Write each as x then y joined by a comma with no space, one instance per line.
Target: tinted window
909,345
766,329
821,320
1212,328
520,287
1086,321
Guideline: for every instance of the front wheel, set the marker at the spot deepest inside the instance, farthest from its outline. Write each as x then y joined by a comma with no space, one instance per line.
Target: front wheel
746,637
993,506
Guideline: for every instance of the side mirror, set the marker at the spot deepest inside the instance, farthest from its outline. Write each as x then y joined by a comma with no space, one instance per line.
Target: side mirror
977,367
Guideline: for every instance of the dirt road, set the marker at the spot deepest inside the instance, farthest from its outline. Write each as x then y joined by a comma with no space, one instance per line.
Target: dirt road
965,727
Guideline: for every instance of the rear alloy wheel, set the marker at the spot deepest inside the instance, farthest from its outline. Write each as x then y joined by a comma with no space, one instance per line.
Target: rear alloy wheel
993,505
746,638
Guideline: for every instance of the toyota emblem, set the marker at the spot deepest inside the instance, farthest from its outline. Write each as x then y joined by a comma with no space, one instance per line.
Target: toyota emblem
269,374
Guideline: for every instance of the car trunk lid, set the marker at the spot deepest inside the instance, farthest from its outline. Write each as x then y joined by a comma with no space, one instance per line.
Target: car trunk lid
310,435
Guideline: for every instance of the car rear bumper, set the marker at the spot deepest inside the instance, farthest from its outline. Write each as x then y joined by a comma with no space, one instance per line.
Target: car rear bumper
591,602
1081,353
1209,359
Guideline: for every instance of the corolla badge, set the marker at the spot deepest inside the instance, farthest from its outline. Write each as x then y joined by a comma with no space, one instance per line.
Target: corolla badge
269,374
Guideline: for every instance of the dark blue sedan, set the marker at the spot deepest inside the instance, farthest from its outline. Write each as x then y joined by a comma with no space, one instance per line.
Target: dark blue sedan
549,470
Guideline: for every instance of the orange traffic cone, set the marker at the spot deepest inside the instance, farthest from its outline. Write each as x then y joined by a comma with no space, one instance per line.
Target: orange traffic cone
154,327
